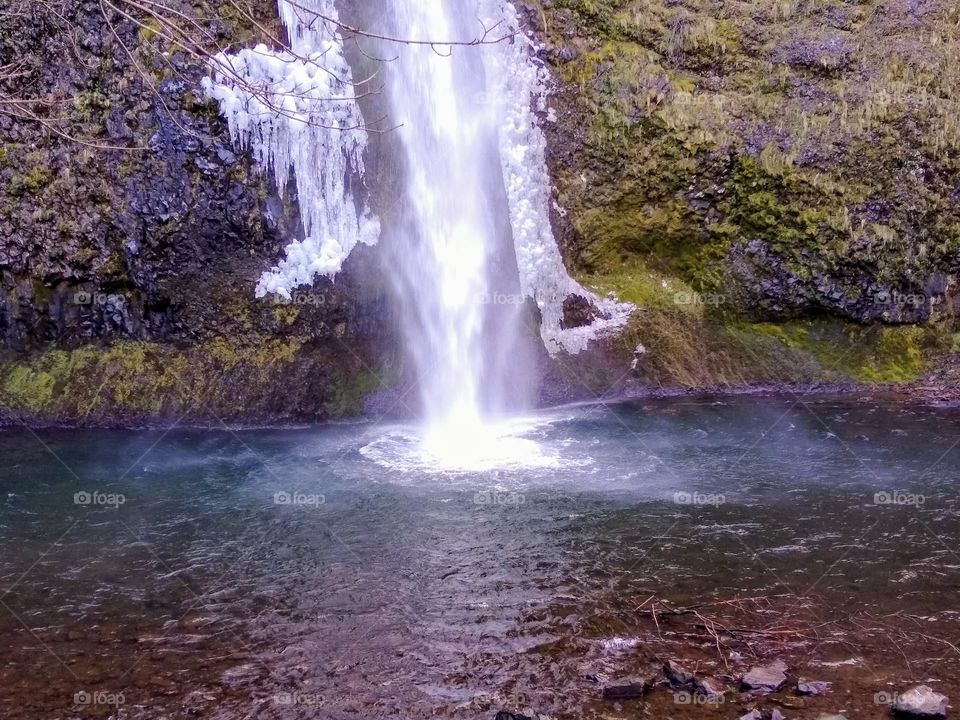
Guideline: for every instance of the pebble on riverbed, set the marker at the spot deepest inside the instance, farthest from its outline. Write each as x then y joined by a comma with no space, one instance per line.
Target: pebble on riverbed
766,678
678,676
921,702
812,687
627,689
709,687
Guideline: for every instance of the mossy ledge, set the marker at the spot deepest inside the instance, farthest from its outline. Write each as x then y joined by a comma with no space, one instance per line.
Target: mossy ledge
140,383
683,340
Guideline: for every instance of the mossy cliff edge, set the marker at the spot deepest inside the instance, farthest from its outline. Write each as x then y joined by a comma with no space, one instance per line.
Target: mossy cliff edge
774,184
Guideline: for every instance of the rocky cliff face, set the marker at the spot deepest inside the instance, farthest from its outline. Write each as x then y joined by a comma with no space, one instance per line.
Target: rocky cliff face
800,157
728,165
132,233
776,184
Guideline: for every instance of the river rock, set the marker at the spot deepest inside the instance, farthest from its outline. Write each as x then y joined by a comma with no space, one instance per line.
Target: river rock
766,678
677,675
627,689
504,715
776,715
709,687
921,702
812,687
828,716
752,715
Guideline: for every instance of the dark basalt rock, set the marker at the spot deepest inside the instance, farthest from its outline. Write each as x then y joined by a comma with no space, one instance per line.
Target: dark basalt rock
709,687
578,311
676,674
627,689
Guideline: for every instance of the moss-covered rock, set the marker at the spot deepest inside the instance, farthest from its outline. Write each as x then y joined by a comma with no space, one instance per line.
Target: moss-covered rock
799,158
130,382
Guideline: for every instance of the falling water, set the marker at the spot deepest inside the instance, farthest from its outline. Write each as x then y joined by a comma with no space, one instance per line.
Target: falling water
471,249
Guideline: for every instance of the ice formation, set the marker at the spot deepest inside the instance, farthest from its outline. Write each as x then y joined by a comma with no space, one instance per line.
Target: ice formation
521,86
298,111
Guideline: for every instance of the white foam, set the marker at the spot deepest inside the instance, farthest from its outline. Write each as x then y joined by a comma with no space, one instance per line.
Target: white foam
508,445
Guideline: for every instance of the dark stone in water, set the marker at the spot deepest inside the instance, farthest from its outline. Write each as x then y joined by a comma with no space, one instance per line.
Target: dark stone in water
709,687
627,689
921,702
504,715
766,678
678,676
812,687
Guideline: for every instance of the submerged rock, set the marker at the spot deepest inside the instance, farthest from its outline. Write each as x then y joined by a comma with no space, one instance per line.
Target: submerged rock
766,678
677,675
709,687
812,687
921,701
627,689
504,715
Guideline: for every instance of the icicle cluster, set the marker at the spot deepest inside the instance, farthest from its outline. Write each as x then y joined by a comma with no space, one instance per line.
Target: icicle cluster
298,111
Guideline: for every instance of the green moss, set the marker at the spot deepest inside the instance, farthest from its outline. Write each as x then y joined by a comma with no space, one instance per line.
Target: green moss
137,380
650,290
149,28
898,357
30,182
349,392
848,352
28,388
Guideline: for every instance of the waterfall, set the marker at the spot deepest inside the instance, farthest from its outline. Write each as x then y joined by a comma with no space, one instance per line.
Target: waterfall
473,241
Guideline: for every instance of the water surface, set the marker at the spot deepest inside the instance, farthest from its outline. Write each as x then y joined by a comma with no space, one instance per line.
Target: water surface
329,572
